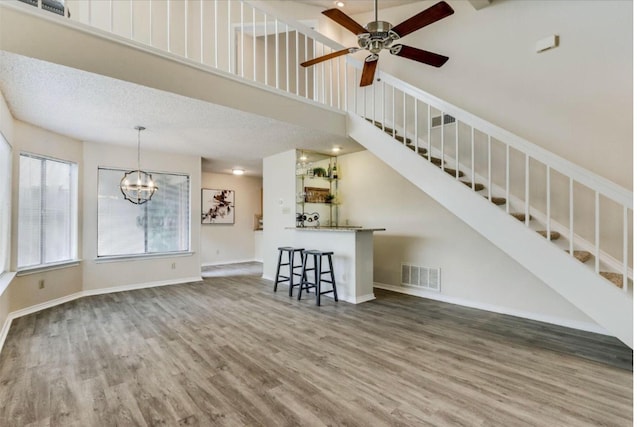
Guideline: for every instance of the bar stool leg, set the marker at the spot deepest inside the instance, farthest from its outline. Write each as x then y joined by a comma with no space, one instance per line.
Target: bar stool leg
275,283
292,257
292,268
333,279
303,279
318,259
304,275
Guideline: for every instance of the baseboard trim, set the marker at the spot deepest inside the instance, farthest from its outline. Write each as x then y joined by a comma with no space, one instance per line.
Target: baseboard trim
124,288
582,326
360,299
44,305
350,300
86,293
5,331
214,264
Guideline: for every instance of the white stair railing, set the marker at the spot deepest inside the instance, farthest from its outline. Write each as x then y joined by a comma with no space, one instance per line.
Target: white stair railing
590,212
238,38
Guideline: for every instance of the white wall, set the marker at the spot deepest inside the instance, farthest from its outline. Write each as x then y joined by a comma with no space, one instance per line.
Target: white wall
575,100
423,233
100,275
226,243
279,206
24,290
6,127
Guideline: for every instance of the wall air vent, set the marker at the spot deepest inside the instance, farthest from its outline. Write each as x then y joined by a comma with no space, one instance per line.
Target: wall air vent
423,277
435,121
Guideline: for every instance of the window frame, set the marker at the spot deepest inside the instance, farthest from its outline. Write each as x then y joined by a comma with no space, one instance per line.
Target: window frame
137,256
7,220
73,221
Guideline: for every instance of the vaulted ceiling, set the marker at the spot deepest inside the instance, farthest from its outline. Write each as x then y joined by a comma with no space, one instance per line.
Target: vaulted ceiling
352,7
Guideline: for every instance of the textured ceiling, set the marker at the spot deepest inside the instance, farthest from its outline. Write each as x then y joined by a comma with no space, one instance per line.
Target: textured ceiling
352,7
94,108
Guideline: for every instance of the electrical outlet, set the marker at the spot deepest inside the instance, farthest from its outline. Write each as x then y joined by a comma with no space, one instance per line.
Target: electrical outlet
41,284
173,265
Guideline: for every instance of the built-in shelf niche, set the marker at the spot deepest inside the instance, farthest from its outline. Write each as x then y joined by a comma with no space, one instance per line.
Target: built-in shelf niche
317,198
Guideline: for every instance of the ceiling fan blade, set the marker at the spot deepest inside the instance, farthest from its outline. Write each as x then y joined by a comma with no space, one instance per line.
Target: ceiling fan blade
341,18
327,57
369,70
422,19
419,55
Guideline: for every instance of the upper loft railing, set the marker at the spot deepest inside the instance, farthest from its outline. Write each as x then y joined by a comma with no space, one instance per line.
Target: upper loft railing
230,36
240,39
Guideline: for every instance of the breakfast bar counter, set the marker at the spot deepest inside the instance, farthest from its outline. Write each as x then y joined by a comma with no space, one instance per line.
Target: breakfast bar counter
352,259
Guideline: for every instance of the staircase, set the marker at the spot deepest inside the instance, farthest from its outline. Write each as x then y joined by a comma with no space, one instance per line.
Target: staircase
499,184
607,304
583,256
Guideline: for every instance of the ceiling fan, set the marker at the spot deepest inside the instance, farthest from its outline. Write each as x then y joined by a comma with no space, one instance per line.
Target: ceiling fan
378,35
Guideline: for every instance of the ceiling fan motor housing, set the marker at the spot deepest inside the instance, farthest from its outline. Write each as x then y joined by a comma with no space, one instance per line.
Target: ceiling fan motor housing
379,36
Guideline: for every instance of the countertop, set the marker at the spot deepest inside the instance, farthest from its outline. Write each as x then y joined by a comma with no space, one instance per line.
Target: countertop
335,229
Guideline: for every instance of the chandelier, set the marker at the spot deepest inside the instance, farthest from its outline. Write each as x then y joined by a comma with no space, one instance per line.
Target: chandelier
137,186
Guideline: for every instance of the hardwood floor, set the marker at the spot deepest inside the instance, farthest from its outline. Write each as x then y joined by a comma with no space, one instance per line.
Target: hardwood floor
228,351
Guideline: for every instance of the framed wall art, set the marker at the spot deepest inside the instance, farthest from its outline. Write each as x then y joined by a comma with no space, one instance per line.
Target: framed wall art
218,206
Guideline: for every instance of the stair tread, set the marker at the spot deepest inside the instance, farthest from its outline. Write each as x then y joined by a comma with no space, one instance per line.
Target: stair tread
452,172
435,160
400,138
554,235
520,216
497,200
582,256
615,278
379,125
478,186
421,150
388,130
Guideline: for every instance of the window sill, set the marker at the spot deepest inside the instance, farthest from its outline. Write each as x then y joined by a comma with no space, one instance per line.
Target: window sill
5,280
47,267
120,258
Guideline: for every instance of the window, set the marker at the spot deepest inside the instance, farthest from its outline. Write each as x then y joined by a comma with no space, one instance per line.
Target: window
47,217
162,225
5,203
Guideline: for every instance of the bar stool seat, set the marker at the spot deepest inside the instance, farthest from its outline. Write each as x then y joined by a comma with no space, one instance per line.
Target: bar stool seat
315,279
290,261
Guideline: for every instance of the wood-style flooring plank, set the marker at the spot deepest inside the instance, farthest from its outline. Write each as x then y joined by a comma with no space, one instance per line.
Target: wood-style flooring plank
228,351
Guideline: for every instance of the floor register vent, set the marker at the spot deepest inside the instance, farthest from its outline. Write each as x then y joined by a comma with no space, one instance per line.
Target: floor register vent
424,277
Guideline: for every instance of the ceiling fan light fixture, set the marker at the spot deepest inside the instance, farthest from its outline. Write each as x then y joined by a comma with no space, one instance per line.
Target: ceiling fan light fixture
339,3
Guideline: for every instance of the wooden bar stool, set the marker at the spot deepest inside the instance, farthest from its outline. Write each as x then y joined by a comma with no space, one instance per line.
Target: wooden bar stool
316,277
291,258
